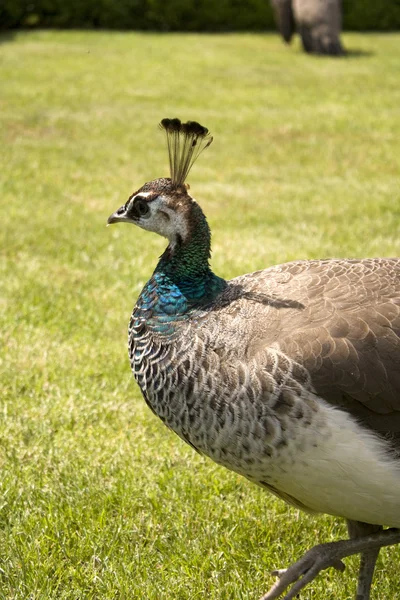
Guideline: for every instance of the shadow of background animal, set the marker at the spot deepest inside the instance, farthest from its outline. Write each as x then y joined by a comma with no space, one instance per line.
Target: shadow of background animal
319,23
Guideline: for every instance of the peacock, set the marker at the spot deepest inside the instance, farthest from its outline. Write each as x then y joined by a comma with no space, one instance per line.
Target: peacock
289,376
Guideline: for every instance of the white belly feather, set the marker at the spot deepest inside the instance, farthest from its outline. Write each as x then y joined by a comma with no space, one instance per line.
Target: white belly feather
344,470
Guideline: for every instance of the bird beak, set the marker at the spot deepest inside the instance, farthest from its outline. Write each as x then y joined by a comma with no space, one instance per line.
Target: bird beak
119,216
112,219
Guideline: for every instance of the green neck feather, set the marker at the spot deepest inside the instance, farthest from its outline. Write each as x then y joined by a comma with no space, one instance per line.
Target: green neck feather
187,264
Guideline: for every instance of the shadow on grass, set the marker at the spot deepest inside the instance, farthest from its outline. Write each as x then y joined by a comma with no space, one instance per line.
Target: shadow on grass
348,54
7,36
358,53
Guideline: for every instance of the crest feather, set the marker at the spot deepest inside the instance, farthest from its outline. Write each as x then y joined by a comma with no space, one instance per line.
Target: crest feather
185,143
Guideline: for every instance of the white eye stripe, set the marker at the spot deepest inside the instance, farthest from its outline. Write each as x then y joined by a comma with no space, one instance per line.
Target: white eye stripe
142,195
131,201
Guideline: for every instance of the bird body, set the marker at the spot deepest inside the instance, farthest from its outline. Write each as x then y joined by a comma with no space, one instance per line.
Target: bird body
237,377
289,376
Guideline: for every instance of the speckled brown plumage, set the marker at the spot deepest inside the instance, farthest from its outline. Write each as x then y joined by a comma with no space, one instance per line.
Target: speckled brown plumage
345,330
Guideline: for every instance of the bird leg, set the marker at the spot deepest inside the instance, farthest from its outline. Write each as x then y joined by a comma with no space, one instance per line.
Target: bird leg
328,555
368,559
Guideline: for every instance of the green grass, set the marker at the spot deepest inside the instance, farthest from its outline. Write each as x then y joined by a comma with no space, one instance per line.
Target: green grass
98,499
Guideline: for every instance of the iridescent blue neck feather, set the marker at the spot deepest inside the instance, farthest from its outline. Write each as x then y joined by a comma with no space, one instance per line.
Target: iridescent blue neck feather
183,282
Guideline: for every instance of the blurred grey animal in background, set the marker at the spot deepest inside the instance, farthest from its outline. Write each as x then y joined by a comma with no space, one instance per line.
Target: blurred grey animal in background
319,23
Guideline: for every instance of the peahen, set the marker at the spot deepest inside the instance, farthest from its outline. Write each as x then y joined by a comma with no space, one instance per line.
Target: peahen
318,22
289,376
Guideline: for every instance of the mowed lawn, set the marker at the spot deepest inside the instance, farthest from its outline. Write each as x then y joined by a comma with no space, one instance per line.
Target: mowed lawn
98,499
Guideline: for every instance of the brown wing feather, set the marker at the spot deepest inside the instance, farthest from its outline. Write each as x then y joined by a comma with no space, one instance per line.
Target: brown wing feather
341,320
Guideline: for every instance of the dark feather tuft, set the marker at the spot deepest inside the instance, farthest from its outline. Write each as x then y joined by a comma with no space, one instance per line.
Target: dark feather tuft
185,142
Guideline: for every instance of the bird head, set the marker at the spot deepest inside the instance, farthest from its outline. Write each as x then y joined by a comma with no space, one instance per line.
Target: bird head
165,205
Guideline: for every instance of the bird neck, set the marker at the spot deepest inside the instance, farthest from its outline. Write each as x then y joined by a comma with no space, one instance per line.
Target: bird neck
186,262
182,282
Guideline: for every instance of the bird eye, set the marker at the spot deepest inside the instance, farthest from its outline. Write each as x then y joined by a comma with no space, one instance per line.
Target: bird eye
141,207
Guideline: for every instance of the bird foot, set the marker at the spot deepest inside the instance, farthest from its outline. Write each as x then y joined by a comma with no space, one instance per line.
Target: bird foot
324,556
304,570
